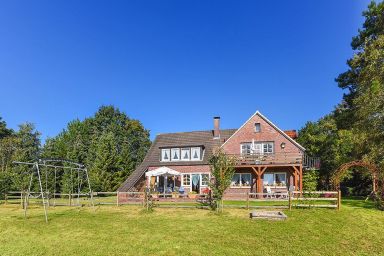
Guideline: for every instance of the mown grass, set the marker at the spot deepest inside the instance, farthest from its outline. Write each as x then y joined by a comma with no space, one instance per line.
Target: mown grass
357,229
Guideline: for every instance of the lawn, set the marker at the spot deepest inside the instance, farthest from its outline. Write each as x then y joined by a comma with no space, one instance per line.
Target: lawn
357,229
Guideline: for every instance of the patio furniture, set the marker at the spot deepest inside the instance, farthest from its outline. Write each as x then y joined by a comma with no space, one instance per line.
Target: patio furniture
270,194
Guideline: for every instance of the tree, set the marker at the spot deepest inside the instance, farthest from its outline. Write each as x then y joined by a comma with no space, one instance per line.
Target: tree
222,170
110,144
27,149
4,131
332,145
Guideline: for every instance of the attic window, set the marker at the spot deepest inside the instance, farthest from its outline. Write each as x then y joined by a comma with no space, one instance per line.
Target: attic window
165,155
257,127
181,154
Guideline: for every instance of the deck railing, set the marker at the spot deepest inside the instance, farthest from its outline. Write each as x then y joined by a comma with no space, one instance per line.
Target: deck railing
280,158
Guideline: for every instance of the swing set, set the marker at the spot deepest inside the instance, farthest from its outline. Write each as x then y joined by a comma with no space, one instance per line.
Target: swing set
77,175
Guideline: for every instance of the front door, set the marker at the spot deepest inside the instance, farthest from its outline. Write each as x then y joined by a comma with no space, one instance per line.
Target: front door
195,182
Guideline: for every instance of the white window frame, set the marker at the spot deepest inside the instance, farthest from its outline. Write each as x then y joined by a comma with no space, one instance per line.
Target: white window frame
182,182
274,179
173,150
241,185
241,148
200,153
169,155
259,129
268,143
182,154
201,179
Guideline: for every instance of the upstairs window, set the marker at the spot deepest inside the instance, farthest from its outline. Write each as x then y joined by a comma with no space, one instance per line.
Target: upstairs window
195,154
181,154
185,154
165,155
268,147
249,148
175,153
257,127
246,148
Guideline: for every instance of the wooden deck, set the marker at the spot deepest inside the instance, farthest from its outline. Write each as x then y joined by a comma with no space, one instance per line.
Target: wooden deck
279,159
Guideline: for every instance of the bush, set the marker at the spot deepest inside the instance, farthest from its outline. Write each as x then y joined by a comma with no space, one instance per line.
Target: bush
310,180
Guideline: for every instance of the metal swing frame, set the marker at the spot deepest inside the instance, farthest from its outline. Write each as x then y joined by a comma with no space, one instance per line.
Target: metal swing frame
50,163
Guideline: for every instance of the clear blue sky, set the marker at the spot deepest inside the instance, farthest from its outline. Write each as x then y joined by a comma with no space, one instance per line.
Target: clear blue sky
173,64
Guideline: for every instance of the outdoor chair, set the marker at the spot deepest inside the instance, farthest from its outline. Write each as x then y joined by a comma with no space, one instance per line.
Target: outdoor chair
269,192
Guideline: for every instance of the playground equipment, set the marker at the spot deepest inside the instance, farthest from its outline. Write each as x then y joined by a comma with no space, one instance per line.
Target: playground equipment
78,174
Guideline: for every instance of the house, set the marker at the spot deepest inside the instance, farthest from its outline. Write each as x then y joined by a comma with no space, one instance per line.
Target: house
267,158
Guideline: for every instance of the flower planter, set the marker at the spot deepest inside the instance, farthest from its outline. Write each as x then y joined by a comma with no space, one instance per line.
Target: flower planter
192,196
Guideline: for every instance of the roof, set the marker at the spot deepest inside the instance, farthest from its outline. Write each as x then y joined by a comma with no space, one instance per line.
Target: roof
180,139
271,124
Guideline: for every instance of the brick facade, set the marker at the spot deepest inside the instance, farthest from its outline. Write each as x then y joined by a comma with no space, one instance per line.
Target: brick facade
267,134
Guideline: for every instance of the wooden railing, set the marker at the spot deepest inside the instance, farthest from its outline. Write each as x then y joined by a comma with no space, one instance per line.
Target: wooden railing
278,159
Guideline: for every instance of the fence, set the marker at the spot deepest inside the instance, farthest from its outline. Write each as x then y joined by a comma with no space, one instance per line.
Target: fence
247,200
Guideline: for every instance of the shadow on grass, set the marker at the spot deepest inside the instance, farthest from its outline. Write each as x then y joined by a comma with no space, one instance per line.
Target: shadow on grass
358,202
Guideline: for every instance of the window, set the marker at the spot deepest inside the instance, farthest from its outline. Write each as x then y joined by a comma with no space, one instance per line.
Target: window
278,179
186,180
204,179
165,155
241,180
268,147
195,154
257,127
245,148
175,153
185,154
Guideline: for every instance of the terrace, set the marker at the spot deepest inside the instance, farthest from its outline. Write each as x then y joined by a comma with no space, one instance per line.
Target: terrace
283,158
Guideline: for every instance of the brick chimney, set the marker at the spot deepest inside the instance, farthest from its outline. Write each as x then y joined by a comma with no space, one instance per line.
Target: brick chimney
291,133
216,127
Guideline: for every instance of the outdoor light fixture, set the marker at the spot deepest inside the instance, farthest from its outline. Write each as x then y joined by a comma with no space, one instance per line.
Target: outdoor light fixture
282,145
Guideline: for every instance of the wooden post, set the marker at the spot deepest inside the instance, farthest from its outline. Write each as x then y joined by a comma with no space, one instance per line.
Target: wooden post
248,200
290,200
6,199
338,199
117,198
301,178
70,198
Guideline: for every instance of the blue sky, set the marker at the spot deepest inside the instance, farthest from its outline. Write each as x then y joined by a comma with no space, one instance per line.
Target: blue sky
173,64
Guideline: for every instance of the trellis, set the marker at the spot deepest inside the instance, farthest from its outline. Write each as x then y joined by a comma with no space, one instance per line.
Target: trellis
341,171
49,165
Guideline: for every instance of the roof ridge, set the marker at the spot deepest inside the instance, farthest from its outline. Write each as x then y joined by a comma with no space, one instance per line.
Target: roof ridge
195,131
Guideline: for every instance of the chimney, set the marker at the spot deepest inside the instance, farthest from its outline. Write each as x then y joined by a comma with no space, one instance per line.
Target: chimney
216,127
291,133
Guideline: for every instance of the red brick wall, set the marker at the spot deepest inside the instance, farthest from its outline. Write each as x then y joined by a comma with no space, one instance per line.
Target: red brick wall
268,133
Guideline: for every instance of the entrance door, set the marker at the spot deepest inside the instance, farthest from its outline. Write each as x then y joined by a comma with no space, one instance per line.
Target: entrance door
195,182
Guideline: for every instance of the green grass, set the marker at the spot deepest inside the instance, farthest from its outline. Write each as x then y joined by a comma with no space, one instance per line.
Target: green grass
357,229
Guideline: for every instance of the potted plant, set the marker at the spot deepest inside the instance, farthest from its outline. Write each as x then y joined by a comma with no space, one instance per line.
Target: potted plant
175,194
192,194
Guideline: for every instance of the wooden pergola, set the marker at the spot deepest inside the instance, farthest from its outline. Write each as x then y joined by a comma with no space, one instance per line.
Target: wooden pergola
295,169
342,170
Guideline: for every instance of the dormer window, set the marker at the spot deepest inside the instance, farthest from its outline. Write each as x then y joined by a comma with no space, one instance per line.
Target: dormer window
166,155
185,154
195,154
181,154
175,153
257,127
